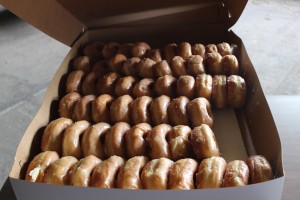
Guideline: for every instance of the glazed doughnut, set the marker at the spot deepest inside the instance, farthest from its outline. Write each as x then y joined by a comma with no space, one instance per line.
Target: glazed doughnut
119,109
145,68
82,63
135,140
116,62
130,66
74,81
154,54
124,85
105,173
198,49
165,85
158,144
186,86
224,49
100,68
195,65
139,49
53,134
100,108
125,49
129,175
39,165
94,49
213,63
181,175
199,111
161,68
204,142
71,141
210,48
67,103
180,145
58,172
169,51
155,174
115,140
89,84
184,50
139,110
203,86
259,169
230,65
158,110
82,170
236,174
92,142
178,67
236,91
143,88
210,173
219,91
177,111
82,108
106,83
110,49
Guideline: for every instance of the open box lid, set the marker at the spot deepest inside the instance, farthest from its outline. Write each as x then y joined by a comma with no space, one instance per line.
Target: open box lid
66,20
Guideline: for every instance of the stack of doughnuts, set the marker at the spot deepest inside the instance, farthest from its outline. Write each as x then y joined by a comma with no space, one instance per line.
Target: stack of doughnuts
136,117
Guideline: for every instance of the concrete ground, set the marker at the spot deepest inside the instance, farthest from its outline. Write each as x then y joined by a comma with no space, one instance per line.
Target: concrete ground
29,59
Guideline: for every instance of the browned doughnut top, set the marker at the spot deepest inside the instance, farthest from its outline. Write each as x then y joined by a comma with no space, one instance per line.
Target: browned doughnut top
224,49
186,86
178,66
213,63
177,111
236,91
67,103
119,109
89,84
195,65
259,168
116,62
124,85
82,108
101,108
169,51
165,85
139,110
199,111
145,68
230,65
158,110
106,83
143,88
82,63
203,86
198,49
184,50
74,81
139,49
210,48
162,68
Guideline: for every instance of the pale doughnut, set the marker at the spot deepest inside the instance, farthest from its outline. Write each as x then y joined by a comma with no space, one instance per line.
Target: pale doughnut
213,63
210,48
236,91
219,91
236,174
158,110
195,65
184,50
224,49
203,86
199,111
119,109
230,65
177,111
139,110
186,86
198,49
259,169
100,108
82,108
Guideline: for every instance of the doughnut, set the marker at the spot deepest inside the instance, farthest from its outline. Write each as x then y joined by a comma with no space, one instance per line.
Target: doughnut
165,85
82,108
195,65
204,142
143,88
120,110
210,173
213,63
203,86
177,111
129,175
184,50
100,68
198,49
161,68
89,84
154,54
139,49
105,173
139,110
219,91
92,142
94,49
74,81
100,108
125,49
155,174
116,62
135,140
178,67
82,170
129,67
180,145
236,174
124,85
169,51
67,103
199,111
236,91
259,169
106,83
224,49
210,48
39,165
145,68
115,140
58,172
158,110
186,86
82,63
53,134
181,175
71,141
110,49
158,144
230,65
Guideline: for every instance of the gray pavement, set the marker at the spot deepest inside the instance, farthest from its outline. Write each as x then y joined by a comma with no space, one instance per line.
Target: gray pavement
29,59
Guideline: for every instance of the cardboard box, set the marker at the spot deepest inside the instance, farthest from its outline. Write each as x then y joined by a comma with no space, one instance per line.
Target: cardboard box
240,133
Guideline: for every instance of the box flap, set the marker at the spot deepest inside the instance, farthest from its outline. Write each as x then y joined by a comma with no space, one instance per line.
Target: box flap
65,20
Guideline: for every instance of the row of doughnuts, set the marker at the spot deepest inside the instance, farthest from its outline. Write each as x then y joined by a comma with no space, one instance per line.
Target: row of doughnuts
140,173
163,109
81,139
